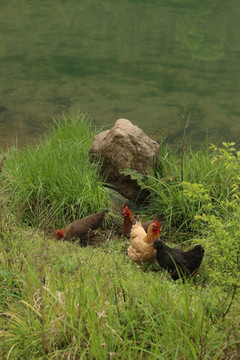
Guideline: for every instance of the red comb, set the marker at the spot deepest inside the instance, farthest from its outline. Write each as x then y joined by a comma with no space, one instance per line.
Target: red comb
58,233
156,231
125,211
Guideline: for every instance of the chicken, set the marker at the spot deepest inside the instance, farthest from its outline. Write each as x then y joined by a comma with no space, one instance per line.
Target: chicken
84,228
129,220
177,262
159,218
141,249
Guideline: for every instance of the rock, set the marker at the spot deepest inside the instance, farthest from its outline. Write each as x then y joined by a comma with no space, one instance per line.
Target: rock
125,146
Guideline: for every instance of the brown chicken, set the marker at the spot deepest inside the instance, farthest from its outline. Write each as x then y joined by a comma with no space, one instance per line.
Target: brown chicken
129,220
84,228
159,219
141,249
177,262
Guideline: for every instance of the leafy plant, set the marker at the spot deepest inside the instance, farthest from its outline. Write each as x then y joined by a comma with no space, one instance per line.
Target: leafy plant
222,234
205,168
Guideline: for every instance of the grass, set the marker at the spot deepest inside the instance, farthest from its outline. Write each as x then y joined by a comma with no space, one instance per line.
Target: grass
203,167
64,301
54,181
59,300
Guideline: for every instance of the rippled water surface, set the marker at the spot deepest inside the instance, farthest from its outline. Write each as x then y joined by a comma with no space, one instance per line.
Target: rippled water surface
141,60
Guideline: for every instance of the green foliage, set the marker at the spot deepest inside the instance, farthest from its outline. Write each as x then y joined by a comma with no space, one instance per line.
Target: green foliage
61,300
230,158
202,167
53,182
205,204
9,287
222,234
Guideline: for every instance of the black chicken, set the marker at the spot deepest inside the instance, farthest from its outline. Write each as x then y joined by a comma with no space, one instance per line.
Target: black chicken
177,262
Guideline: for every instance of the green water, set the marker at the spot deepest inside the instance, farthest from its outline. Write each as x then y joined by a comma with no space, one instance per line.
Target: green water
141,60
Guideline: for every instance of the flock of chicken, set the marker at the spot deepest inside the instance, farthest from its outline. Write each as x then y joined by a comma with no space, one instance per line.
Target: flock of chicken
145,247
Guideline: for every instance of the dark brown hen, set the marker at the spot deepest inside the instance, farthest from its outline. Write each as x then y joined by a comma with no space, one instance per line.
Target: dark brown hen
159,218
177,262
128,221
84,228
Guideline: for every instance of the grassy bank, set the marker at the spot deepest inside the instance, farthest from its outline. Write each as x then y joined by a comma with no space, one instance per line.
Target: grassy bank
59,300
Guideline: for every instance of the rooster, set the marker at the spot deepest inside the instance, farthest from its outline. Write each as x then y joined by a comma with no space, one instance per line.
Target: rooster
141,249
84,228
129,220
177,262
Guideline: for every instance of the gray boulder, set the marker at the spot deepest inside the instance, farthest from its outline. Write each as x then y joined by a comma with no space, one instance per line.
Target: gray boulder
125,146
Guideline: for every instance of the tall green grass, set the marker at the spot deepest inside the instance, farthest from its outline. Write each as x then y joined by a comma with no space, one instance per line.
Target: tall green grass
61,301
202,206
166,190
54,182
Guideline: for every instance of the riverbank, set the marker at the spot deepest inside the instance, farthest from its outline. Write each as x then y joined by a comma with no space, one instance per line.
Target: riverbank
62,300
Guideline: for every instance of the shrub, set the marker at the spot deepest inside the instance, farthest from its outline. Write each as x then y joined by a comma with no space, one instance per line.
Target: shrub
205,168
222,233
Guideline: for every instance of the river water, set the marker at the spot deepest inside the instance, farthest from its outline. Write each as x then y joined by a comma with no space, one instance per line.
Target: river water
142,60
